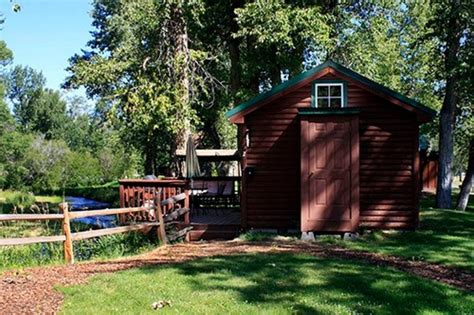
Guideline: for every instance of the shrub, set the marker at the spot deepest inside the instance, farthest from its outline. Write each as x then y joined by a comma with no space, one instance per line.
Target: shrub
19,201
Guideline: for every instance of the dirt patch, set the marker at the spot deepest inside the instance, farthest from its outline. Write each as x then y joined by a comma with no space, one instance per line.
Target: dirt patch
31,291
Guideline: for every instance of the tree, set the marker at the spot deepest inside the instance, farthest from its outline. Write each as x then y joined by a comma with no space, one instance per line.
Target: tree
36,108
43,161
13,149
141,65
6,118
464,135
277,37
449,24
6,54
255,45
468,181
49,114
24,89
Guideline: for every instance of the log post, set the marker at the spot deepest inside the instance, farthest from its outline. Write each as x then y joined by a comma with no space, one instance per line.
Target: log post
68,249
186,215
121,217
186,205
161,227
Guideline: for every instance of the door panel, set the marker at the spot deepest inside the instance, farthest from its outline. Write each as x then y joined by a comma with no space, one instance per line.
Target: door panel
329,173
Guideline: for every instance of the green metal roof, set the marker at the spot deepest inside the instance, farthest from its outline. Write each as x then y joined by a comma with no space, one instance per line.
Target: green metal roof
345,71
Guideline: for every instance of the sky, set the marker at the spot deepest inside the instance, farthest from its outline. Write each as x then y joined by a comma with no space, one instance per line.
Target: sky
46,33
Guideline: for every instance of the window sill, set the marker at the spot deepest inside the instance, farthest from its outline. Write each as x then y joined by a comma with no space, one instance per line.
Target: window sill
328,111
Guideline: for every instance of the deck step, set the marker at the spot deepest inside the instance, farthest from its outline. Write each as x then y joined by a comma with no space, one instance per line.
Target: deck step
213,232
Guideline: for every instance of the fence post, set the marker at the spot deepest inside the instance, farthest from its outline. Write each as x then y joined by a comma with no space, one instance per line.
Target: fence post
121,217
187,205
68,249
161,227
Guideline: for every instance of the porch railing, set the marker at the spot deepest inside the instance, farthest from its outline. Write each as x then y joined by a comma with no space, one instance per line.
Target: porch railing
143,192
216,192
205,192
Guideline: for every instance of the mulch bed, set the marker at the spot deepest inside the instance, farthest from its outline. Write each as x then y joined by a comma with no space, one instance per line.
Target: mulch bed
31,291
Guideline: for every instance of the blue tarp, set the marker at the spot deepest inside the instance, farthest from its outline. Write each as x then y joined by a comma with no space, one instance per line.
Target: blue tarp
81,204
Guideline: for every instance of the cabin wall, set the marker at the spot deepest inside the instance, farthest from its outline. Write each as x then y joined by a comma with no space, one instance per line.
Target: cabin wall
389,187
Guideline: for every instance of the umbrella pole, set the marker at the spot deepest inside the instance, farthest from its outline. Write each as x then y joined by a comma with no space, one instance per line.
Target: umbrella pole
191,211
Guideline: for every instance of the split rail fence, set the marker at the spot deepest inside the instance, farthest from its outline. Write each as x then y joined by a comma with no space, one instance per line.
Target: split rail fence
158,212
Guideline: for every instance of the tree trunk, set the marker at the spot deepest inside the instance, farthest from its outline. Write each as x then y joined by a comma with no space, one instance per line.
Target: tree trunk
150,154
275,70
448,111
445,177
182,60
234,52
181,69
254,72
467,183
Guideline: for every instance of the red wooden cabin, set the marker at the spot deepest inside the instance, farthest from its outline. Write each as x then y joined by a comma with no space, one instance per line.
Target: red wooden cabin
330,151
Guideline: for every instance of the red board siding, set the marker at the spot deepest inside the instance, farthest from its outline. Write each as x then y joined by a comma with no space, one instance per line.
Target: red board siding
388,167
429,170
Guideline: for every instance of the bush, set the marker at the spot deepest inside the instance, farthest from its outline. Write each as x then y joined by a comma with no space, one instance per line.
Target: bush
81,170
19,201
104,194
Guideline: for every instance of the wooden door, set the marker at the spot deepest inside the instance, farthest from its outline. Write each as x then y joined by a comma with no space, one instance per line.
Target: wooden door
329,173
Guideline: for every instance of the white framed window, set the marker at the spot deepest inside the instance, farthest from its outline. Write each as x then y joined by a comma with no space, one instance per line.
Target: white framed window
329,95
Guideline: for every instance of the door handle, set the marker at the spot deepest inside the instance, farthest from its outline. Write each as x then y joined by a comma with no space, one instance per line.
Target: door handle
310,174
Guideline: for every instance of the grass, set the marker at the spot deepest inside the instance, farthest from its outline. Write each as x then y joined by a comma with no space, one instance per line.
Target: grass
4,194
444,237
265,284
49,199
105,247
108,192
6,207
52,253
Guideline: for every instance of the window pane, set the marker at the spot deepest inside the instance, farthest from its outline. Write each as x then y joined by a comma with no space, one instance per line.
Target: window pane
323,91
323,102
335,90
336,102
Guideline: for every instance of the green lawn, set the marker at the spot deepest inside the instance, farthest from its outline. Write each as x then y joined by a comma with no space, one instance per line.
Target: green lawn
4,194
6,207
105,247
444,236
265,284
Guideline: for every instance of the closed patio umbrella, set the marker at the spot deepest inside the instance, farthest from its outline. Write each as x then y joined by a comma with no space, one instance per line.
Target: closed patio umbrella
192,162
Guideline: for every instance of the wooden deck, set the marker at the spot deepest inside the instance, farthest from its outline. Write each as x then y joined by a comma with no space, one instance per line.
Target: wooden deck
211,217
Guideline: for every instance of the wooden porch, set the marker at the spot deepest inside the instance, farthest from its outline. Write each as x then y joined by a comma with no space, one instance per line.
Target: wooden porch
214,202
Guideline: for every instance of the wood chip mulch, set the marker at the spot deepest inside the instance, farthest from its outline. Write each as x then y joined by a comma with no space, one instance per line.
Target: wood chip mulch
31,291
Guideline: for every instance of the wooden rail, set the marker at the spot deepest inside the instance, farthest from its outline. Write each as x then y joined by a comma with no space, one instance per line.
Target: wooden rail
30,217
165,212
91,213
31,240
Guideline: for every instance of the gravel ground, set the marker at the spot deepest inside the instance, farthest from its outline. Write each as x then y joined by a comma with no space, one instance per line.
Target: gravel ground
31,291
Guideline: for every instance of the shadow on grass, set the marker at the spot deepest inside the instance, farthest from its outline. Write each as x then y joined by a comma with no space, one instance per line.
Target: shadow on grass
443,237
305,284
